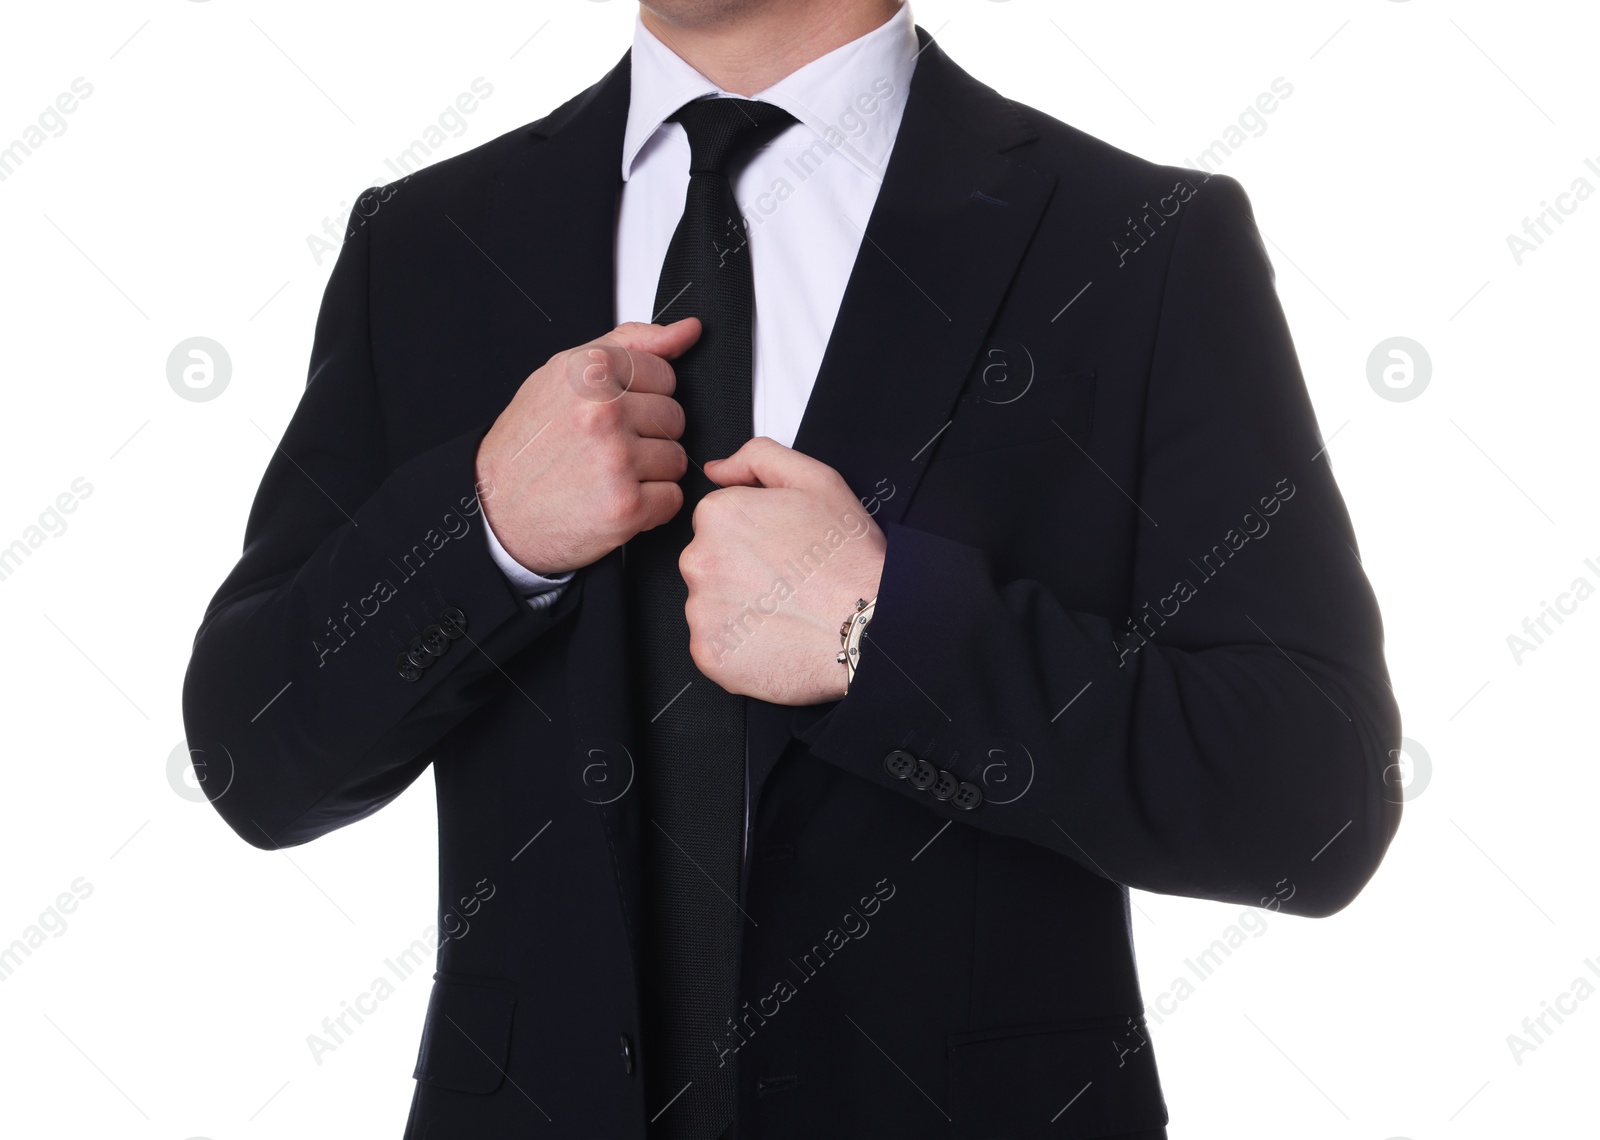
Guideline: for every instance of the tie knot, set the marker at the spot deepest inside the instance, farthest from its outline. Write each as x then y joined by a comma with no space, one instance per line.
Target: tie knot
722,129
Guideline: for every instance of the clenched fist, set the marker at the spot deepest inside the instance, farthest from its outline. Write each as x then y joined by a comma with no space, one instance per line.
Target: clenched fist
586,455
780,554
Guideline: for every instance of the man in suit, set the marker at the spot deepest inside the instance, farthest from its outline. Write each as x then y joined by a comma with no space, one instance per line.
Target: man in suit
942,545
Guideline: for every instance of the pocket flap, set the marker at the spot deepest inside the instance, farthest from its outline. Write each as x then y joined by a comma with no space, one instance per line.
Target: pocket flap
467,1035
1055,1080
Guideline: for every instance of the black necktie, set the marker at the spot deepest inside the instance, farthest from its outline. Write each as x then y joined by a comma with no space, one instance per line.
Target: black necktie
693,732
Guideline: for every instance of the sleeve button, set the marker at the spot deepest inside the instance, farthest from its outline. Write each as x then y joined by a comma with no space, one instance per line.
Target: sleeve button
406,668
923,775
967,797
943,787
899,764
418,656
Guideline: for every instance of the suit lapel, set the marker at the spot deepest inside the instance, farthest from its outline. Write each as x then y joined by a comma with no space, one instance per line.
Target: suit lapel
951,223
551,208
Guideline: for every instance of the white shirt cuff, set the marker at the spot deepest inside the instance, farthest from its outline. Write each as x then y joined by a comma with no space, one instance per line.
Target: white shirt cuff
535,588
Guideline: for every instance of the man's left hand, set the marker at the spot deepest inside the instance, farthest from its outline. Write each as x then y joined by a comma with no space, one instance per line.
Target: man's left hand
781,552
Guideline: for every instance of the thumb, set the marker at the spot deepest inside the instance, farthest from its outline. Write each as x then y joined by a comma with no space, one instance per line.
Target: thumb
764,462
665,341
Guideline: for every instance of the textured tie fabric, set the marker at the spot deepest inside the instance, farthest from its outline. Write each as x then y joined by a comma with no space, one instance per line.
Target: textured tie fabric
693,732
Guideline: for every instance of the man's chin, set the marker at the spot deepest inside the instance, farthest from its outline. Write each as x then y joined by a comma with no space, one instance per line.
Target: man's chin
697,13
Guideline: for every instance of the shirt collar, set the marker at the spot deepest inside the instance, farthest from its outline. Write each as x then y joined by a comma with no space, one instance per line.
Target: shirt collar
823,95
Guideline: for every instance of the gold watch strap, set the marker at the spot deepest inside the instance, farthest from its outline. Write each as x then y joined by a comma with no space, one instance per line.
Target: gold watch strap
850,634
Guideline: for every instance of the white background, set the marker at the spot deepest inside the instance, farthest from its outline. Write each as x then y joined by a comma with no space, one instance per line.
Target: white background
177,1000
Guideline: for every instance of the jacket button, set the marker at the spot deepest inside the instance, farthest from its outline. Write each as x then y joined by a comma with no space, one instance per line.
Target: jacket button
406,668
899,764
967,797
453,622
923,774
627,1055
419,656
944,786
435,640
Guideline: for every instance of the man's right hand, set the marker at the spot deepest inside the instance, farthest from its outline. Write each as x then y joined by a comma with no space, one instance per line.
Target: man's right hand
586,455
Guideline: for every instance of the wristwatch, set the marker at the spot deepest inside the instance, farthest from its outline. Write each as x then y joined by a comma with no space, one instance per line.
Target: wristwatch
850,634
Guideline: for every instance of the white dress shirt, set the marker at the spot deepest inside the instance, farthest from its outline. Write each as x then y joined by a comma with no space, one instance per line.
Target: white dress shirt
806,197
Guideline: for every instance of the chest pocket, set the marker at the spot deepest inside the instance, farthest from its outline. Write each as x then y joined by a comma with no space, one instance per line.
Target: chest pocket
1033,407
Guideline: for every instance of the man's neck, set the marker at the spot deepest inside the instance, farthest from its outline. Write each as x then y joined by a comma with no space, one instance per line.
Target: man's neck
746,48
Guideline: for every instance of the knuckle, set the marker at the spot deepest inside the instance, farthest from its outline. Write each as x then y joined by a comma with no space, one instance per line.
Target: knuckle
695,562
585,416
705,647
701,515
619,504
668,415
718,507
596,417
594,371
670,504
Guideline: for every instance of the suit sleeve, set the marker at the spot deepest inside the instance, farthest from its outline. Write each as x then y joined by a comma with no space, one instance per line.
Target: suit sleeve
1230,735
298,707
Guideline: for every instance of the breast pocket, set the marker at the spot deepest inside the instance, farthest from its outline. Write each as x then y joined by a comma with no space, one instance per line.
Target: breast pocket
1062,1080
467,1035
1034,407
